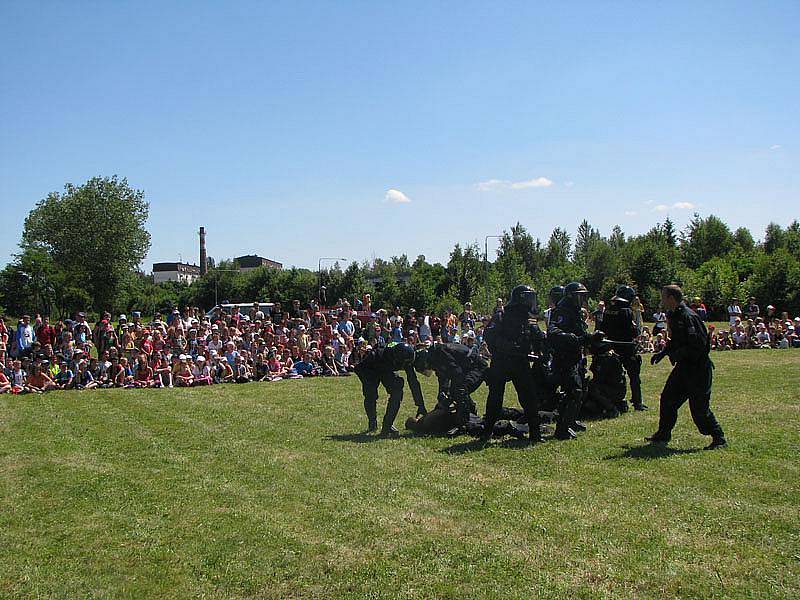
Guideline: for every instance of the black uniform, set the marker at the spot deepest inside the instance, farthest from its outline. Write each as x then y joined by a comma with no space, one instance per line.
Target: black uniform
512,335
618,324
607,388
691,377
567,335
378,367
460,371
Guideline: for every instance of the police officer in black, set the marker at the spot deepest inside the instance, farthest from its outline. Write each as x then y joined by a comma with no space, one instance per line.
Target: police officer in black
567,336
460,371
692,374
619,325
512,336
378,368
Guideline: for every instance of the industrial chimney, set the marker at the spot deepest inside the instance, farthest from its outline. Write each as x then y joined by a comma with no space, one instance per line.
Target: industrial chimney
203,259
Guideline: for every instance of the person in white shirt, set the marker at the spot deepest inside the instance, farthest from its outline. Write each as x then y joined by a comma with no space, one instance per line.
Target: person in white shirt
734,312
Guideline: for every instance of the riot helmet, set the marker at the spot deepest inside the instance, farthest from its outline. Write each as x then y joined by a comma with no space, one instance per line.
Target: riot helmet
526,296
556,294
422,362
625,293
403,355
575,294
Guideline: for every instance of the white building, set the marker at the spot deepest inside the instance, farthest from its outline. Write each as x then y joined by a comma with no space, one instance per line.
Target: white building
175,271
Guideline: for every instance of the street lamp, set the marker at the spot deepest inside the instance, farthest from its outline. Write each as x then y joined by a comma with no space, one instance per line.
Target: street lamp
216,281
486,266
319,275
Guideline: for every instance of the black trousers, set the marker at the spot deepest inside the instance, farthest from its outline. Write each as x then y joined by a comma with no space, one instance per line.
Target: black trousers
690,382
392,383
517,370
632,363
571,376
461,390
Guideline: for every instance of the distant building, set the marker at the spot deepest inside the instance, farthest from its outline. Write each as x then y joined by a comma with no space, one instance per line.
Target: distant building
251,261
175,271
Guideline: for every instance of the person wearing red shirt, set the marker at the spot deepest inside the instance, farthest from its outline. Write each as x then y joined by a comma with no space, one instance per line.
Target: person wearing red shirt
46,334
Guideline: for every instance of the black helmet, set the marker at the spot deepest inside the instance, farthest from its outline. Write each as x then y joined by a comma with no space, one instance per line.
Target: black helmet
573,289
524,295
625,293
575,294
403,355
421,361
556,293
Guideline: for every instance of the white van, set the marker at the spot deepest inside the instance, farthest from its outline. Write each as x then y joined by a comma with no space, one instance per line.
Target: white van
244,308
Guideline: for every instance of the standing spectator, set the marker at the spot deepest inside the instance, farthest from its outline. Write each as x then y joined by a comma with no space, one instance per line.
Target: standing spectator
636,308
700,308
597,315
752,310
25,336
660,325
734,312
46,334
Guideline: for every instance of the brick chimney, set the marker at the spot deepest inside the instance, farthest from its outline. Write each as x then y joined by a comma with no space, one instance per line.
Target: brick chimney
203,259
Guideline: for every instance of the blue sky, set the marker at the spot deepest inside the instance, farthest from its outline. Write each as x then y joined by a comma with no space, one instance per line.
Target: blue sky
282,127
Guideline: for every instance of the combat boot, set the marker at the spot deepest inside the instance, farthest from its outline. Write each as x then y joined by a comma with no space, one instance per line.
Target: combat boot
658,438
372,425
641,406
390,432
565,434
719,442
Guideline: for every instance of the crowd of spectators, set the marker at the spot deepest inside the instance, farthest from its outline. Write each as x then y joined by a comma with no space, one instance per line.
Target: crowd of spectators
254,343
190,348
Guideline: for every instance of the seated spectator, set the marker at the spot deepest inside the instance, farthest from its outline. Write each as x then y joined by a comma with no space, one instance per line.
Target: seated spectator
38,380
762,337
201,372
84,378
183,373
5,384
19,379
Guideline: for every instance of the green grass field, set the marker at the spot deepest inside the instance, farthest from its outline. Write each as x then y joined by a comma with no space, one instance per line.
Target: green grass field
271,490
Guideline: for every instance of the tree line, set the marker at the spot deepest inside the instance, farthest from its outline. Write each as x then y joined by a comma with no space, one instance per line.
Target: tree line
81,250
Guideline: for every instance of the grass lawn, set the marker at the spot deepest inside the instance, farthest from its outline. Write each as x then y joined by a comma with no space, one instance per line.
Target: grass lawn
270,490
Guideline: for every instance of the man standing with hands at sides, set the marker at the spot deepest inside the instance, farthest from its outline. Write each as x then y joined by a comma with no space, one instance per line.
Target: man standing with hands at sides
691,377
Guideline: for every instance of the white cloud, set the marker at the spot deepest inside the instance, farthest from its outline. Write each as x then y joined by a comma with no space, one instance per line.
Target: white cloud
501,184
396,197
676,206
775,147
630,213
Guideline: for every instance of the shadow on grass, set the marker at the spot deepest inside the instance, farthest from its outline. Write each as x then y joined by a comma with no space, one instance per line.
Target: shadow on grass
363,437
649,452
478,444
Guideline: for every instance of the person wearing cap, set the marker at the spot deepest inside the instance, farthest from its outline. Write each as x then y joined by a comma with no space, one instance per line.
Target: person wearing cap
691,377
752,309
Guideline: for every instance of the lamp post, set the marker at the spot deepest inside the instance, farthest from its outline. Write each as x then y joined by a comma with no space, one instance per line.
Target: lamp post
486,265
319,275
216,281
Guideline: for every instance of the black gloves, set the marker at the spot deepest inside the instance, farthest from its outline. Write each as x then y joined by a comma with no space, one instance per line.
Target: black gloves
658,357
